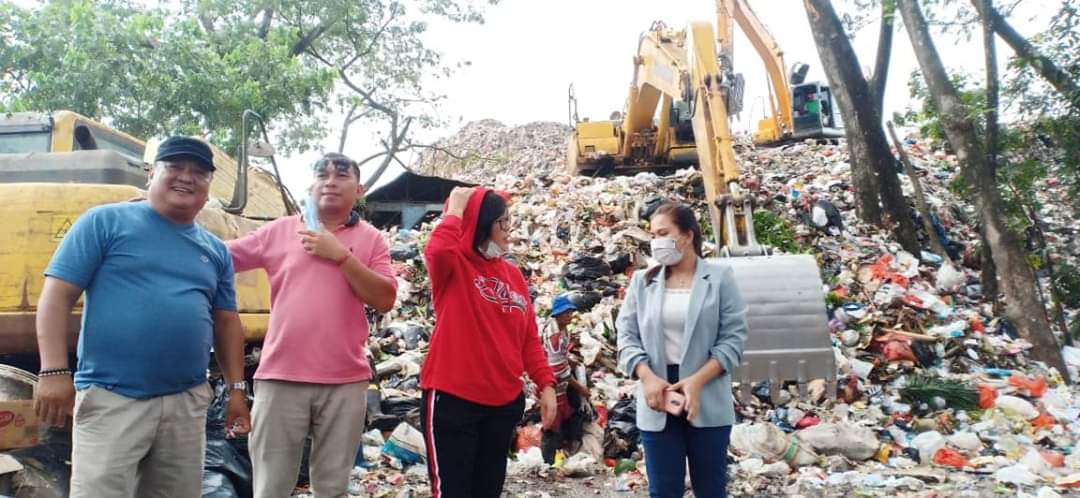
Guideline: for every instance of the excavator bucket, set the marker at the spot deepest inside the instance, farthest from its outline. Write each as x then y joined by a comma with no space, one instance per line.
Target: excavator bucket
789,337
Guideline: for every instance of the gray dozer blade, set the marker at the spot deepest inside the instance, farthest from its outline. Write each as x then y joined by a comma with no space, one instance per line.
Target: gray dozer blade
789,337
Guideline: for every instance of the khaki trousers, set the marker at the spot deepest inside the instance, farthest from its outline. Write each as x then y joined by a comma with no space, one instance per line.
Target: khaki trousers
148,448
283,415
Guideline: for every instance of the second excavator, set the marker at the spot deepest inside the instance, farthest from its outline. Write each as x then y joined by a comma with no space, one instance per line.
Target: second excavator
682,73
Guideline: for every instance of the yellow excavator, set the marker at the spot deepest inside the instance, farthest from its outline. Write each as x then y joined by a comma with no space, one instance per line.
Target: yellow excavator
642,139
683,73
55,166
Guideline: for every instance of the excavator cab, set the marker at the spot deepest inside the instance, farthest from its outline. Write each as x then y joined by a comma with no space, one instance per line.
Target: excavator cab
594,144
815,113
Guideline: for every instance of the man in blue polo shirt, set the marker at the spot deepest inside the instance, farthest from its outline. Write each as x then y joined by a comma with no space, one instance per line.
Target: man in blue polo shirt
159,292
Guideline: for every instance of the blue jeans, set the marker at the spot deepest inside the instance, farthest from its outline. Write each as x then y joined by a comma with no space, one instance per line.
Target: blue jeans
667,451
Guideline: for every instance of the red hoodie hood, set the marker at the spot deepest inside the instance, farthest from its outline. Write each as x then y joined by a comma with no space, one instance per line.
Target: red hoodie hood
468,222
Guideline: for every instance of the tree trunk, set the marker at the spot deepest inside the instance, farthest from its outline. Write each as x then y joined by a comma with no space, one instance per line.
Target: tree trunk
1022,305
865,182
989,272
884,54
1057,77
920,198
872,163
991,87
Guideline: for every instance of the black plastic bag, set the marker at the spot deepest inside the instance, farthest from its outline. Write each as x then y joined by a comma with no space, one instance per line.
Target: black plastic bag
587,268
649,207
621,436
401,252
227,469
619,263
584,300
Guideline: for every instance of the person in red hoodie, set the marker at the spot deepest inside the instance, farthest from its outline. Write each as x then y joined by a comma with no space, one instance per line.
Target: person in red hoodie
485,338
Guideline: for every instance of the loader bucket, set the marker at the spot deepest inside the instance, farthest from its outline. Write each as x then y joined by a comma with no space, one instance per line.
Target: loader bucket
788,337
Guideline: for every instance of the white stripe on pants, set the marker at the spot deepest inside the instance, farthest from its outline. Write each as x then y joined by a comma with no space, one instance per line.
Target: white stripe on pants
124,447
283,415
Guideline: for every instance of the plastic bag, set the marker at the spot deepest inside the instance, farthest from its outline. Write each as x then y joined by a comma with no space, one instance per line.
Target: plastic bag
852,441
528,436
950,458
579,465
966,441
1053,459
1034,461
1016,406
226,470
899,351
406,444
953,329
1044,420
621,434
949,279
584,300
987,396
888,294
1016,474
1030,386
928,443
907,264
587,268
529,462
768,442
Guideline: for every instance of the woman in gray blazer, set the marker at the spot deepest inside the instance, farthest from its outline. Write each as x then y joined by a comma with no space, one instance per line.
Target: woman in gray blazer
681,330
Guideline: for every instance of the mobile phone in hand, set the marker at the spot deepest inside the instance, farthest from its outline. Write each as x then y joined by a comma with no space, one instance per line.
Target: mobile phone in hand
674,403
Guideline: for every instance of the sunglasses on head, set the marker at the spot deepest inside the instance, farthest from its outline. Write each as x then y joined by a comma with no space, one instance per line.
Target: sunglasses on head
341,165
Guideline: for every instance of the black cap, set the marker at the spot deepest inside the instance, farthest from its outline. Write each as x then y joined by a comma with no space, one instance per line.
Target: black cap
178,147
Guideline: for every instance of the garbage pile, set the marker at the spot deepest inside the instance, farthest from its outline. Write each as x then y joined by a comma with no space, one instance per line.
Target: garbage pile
485,146
937,393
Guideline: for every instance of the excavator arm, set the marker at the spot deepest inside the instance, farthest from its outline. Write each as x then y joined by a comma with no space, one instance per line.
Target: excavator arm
780,124
729,210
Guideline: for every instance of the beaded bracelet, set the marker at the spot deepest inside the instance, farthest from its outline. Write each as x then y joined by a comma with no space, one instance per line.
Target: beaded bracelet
53,372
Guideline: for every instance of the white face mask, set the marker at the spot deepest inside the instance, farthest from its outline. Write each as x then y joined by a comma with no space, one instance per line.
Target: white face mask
492,250
665,252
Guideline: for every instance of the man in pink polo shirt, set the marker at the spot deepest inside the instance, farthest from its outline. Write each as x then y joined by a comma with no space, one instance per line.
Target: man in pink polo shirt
313,375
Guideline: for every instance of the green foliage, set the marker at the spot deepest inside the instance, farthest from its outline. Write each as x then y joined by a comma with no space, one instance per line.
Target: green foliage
926,118
774,231
155,68
151,73
957,394
1067,280
833,300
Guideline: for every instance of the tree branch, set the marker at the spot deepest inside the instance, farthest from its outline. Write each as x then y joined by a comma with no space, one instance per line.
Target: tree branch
1057,77
448,152
264,26
366,95
307,40
396,139
315,53
207,23
345,128
884,53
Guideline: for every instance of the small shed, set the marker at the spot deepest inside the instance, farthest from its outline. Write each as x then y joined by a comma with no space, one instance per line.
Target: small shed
408,199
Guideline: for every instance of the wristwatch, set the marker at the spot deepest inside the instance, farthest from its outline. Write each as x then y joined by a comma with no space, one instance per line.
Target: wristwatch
238,386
